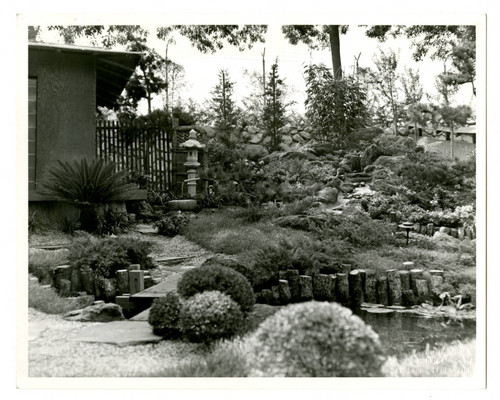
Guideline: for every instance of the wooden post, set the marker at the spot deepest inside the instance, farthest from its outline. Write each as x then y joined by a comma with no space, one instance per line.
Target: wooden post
394,287
322,287
122,281
306,288
345,268
422,290
342,294
292,276
284,291
404,277
414,275
370,286
355,289
382,296
136,281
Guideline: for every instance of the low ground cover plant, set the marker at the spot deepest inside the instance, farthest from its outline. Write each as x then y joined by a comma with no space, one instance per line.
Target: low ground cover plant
172,225
41,262
107,255
46,299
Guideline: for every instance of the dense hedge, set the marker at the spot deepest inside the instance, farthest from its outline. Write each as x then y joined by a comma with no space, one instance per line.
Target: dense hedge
164,315
316,339
210,316
222,279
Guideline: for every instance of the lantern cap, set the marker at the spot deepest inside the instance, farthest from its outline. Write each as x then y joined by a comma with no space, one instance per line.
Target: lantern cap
192,142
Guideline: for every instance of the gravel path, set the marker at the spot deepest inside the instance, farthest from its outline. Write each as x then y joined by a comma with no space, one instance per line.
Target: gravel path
54,353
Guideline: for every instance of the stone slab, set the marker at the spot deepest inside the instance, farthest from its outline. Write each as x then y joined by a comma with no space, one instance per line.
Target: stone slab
167,260
160,290
146,229
120,333
142,316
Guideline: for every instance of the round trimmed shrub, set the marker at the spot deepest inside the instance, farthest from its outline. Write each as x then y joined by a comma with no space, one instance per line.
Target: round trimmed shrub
164,315
316,339
219,278
210,316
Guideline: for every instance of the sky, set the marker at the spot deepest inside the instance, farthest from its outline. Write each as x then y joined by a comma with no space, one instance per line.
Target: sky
201,69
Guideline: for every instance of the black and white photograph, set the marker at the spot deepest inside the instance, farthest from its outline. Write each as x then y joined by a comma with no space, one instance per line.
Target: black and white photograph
287,198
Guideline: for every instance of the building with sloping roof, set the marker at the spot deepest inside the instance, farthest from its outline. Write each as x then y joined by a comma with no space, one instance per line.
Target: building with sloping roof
66,85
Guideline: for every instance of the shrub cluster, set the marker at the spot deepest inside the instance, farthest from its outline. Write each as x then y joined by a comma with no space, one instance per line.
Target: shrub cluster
316,339
172,225
105,256
164,315
219,278
210,316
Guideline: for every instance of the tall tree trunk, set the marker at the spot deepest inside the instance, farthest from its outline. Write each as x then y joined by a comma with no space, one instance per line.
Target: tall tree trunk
264,76
333,33
452,138
166,78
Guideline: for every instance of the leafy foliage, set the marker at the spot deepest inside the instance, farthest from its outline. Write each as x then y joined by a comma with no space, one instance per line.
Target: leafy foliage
108,255
172,225
210,316
219,278
164,316
316,339
85,184
334,107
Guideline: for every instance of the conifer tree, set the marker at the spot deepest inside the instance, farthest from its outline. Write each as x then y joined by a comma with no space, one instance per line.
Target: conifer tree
223,107
275,107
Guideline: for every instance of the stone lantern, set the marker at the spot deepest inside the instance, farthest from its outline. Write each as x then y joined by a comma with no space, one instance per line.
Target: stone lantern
192,145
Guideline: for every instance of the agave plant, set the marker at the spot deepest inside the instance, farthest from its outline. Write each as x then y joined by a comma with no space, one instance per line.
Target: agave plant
86,184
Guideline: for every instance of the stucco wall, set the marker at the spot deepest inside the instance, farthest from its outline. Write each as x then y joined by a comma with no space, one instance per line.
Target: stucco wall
65,127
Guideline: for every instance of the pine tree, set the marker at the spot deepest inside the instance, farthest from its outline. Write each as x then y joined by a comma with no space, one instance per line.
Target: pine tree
275,108
223,107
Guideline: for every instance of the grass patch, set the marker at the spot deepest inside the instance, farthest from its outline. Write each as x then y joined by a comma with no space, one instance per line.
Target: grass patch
46,299
227,232
454,360
226,359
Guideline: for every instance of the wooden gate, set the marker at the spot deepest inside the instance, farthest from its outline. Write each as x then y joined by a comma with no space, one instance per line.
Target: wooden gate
144,150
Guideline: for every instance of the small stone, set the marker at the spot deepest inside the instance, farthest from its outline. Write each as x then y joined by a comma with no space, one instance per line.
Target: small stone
444,229
98,313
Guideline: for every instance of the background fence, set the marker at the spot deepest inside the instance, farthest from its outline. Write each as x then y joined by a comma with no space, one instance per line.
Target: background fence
145,150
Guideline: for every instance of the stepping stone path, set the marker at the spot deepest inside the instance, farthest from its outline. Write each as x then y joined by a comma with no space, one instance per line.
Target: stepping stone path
120,333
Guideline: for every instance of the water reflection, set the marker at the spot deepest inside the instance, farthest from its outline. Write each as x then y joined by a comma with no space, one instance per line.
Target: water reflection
401,333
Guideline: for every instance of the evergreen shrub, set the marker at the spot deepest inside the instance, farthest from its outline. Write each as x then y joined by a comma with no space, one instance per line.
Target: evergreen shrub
210,316
164,315
218,278
316,339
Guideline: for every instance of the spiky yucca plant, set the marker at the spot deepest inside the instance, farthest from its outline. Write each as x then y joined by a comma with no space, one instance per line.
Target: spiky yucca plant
86,184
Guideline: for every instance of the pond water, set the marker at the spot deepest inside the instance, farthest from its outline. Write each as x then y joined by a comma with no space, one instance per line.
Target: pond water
401,333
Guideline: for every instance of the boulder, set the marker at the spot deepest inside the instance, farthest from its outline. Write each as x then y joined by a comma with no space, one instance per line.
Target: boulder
371,153
369,169
103,312
256,138
297,138
305,135
393,163
287,140
328,195
256,150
